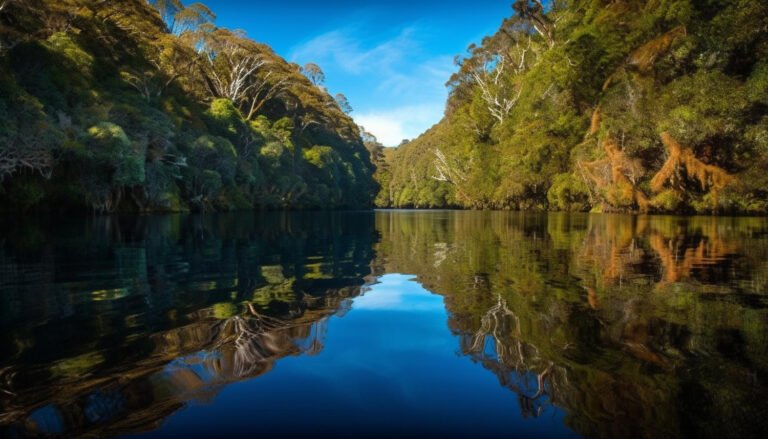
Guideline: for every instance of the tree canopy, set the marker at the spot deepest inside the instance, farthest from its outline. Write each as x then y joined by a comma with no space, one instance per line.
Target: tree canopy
135,106
620,105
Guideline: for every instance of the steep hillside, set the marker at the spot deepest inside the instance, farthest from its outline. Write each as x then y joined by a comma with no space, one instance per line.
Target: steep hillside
130,106
620,105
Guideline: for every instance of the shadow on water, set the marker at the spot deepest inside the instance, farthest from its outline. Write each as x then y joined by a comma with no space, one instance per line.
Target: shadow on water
633,326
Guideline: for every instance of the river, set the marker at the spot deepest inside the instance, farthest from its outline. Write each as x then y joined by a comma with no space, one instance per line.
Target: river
382,324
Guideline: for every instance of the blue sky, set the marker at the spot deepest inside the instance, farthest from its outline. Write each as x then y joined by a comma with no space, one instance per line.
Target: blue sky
391,59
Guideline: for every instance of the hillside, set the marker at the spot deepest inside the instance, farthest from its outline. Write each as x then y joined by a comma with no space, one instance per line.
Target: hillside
620,105
136,106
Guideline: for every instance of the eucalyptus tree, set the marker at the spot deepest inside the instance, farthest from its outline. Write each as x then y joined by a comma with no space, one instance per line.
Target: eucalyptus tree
180,18
343,103
314,73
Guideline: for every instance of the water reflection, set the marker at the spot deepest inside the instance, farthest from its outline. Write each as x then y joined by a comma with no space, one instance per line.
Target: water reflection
636,326
609,325
111,325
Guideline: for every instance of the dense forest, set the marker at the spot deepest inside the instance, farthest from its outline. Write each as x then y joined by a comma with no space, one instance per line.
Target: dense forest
602,105
148,106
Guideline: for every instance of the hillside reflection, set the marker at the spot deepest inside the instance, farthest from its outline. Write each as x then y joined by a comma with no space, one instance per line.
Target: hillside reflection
636,326
113,332
631,326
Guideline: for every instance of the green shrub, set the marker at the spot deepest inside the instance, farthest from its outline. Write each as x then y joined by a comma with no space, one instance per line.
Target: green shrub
568,193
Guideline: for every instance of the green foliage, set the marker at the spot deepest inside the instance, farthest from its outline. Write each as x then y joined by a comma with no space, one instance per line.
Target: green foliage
226,119
702,106
118,106
564,109
757,85
107,146
64,44
568,193
214,153
668,200
107,139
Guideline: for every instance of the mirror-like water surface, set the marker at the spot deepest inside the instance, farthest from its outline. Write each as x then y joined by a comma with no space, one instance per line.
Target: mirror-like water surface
385,323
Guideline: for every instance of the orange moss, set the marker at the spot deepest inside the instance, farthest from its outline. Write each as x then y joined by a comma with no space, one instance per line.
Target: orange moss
615,76
592,299
645,56
682,159
611,173
594,125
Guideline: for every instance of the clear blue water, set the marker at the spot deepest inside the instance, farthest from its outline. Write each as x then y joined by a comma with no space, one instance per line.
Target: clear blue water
389,367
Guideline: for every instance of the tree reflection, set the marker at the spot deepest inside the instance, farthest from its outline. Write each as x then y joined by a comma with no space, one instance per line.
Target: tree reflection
636,326
497,344
110,328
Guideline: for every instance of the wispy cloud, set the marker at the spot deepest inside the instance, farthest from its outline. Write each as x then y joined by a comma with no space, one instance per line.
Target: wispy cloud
392,125
425,80
344,48
397,87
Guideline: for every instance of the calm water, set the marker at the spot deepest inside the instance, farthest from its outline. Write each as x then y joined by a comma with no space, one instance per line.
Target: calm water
430,324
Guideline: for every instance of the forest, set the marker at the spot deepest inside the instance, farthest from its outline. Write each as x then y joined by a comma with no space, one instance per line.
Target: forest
603,106
113,106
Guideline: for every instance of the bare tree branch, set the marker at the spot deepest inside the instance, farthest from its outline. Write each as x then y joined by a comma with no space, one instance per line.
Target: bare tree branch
447,172
263,93
14,158
494,92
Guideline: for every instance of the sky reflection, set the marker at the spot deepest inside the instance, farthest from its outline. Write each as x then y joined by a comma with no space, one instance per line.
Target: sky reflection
390,366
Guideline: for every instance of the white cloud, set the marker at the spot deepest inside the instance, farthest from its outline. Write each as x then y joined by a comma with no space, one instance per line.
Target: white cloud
398,91
343,49
392,125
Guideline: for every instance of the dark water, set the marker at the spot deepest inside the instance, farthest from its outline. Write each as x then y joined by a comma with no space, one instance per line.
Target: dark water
386,324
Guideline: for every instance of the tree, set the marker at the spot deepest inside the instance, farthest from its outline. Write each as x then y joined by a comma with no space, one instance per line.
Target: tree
145,105
682,161
448,171
372,144
181,19
269,87
167,9
169,60
533,11
232,65
14,158
240,70
303,115
192,17
496,91
366,136
12,10
110,164
343,103
314,73
27,140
